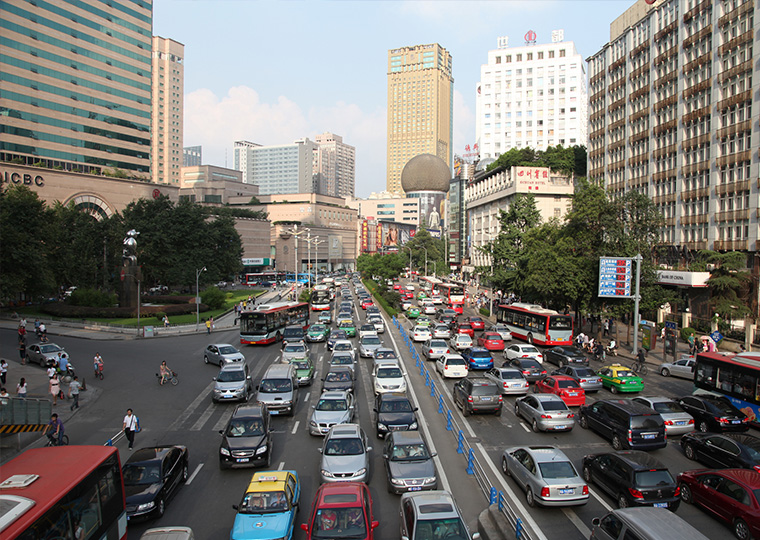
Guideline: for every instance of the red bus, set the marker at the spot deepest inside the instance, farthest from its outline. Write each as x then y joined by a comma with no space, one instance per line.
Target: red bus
453,296
267,323
63,492
536,324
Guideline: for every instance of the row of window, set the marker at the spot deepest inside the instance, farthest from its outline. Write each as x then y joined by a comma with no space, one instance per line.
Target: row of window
77,157
529,56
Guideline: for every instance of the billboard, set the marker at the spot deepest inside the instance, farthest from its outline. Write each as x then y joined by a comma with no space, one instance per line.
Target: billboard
394,234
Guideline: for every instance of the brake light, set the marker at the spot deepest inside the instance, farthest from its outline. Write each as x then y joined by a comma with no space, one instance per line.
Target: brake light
543,372
544,492
546,416
630,436
668,422
448,351
505,385
678,491
691,422
431,351
571,415
583,381
722,420
469,399
526,372
525,356
500,398
445,367
757,468
635,493
585,490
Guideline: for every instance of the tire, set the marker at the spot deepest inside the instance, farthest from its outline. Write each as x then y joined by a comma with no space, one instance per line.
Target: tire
465,411
643,370
622,501
160,507
529,498
689,452
535,427
741,530
665,372
505,467
617,444
205,358
517,411
175,381
65,440
587,475
498,412
686,493
530,339
583,421
614,389
185,471
703,427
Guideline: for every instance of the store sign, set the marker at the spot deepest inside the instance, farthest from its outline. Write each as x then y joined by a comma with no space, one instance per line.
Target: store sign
257,262
532,178
365,236
18,178
682,279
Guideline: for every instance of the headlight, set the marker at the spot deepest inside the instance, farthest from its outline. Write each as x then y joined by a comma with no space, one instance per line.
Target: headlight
430,480
224,451
413,426
261,450
312,424
327,474
397,482
146,506
382,427
360,472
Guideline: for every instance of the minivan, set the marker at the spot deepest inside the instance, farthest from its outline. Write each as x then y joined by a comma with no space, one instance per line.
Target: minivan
278,389
626,423
643,524
232,383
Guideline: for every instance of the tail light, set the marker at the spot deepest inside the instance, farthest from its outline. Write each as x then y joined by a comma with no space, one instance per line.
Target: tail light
668,422
635,493
548,416
571,415
500,398
722,420
543,372
505,385
526,372
630,436
430,351
545,492
525,356
677,491
585,490
469,399
583,381
448,351
691,422
445,367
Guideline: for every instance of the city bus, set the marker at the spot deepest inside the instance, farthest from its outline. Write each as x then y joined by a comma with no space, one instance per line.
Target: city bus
63,492
453,296
430,284
266,323
320,298
258,278
734,376
535,324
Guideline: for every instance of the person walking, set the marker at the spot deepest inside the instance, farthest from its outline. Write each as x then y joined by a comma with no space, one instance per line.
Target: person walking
74,387
55,388
21,388
208,326
130,427
4,370
692,344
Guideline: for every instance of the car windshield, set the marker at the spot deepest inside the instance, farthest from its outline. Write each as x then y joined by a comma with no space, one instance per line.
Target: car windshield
649,479
370,340
395,406
667,407
339,523
450,529
291,333
528,349
456,361
530,364
557,469
723,407
245,427
228,349
389,373
567,384
317,328
509,375
301,364
345,324
344,447
275,386
343,347
585,372
141,474
380,355
337,376
441,328
438,343
231,376
481,354
464,338
342,359
50,348
624,373
484,390
295,348
263,502
409,452
332,405
338,334
554,405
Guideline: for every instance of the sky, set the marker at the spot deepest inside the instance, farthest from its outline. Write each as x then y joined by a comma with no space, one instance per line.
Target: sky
272,72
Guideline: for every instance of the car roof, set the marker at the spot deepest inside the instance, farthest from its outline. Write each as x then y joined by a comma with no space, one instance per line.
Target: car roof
562,377
640,460
544,453
436,503
481,381
151,453
657,399
338,495
548,397
268,481
335,394
509,370
237,366
406,437
344,430
248,410
219,345
748,477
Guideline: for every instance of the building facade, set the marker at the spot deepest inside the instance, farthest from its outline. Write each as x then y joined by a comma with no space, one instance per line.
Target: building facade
76,86
457,217
531,96
420,107
168,90
672,114
398,209
192,156
208,184
335,166
285,168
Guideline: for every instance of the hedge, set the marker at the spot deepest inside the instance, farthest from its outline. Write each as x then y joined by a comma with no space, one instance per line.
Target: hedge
374,289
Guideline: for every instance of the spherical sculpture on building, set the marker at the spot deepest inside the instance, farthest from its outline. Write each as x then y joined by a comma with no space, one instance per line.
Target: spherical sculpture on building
425,172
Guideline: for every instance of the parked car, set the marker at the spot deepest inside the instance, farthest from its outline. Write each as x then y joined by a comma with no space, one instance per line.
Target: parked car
222,353
501,329
270,502
345,455
461,342
478,358
520,350
562,356
333,407
618,378
344,507
531,370
546,475
585,376
408,463
545,412
683,367
677,421
435,348
639,523
232,383
723,450
510,380
246,439
338,378
477,394
626,423
424,513
393,412
565,387
491,341
152,476
452,366
714,413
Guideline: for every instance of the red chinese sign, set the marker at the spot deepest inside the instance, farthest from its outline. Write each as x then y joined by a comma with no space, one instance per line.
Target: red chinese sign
532,177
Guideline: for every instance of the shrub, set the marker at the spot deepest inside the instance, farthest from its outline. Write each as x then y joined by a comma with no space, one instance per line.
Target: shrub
686,332
305,296
213,297
160,316
92,298
484,311
58,309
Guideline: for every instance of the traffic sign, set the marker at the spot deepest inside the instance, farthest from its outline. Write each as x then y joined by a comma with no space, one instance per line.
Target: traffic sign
670,324
716,336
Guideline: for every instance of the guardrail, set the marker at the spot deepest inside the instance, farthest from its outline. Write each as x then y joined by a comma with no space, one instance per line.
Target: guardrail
474,467
114,439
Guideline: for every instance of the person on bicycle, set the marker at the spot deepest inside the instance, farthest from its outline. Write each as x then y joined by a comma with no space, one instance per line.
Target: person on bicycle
640,357
97,363
56,425
166,373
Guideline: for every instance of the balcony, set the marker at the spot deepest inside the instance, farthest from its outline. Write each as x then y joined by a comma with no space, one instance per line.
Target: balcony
697,193
728,131
597,96
640,136
662,175
665,79
635,160
636,94
731,245
596,116
732,187
692,168
670,222
694,64
666,102
639,49
738,41
617,144
694,142
639,114
596,153
731,159
598,172
665,126
695,219
696,115
616,104
732,215
615,85
699,87
596,78
616,64
614,187
664,199
692,39
746,7
638,181
616,165
665,55
617,124
735,71
639,71
665,31
702,6
742,97
664,151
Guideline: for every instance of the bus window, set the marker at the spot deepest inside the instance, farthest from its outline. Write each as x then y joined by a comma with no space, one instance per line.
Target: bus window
728,379
540,324
746,385
706,376
560,323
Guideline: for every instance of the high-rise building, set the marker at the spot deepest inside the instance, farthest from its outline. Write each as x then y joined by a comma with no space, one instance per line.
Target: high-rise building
168,108
192,156
336,166
76,85
285,168
420,107
531,96
671,116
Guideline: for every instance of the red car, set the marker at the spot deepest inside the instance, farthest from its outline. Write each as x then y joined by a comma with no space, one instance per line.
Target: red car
730,494
565,387
341,509
409,295
366,303
465,328
477,323
491,341
397,286
459,308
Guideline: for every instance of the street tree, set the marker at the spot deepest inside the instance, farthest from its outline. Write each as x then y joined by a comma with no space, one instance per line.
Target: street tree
729,283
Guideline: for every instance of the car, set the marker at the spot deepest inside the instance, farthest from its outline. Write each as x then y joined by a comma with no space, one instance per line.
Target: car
452,366
368,345
633,478
366,303
408,295
325,317
343,358
477,394
44,353
510,380
519,350
338,378
384,353
268,508
346,305
348,326
304,371
585,376
562,356
546,475
478,358
246,439
448,320
477,323
232,383
406,304
428,308
432,515
420,333
441,331
683,367
435,348
397,286
293,333
387,376
377,321
422,295
410,287
565,387
714,413
222,353
531,370
335,335
424,320
294,350
445,312
461,342
413,312
152,476
723,450
501,329
408,463
341,510
491,341
619,378
168,533
333,407
393,412
345,455
677,421
545,412
317,333
625,423
464,328
437,299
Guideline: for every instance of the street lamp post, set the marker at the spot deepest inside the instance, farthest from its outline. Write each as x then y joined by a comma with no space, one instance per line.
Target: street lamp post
410,260
197,297
316,242
426,257
435,268
296,233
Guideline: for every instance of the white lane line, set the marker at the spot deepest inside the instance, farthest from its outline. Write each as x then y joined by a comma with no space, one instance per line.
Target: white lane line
600,499
281,466
526,428
306,397
204,417
191,408
295,427
195,473
575,520
321,357
222,422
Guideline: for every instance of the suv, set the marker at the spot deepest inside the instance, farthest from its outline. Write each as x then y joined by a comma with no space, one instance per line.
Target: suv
626,423
478,395
278,389
345,455
408,463
394,412
247,440
233,382
293,333
634,478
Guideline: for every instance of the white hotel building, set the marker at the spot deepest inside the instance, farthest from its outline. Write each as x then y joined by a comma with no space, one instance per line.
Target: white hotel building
531,96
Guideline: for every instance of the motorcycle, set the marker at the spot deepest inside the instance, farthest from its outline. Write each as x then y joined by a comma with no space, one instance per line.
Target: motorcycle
611,350
41,335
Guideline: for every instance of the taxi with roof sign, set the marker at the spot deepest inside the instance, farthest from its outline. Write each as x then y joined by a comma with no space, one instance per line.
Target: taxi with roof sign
268,508
619,378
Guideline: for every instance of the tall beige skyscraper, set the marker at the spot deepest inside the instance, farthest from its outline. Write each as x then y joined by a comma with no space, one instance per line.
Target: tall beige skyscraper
168,106
420,107
335,166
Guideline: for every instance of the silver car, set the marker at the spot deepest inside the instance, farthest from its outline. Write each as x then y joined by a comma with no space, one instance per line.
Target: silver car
377,321
337,407
441,331
502,330
368,345
510,380
343,358
294,351
545,412
584,376
677,421
233,383
345,455
344,345
432,514
433,349
222,353
683,367
44,353
546,475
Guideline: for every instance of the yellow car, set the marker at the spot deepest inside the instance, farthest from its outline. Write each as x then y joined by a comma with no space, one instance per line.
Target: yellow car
268,508
619,378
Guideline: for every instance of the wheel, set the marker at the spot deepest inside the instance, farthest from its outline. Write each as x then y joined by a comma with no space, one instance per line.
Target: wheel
465,411
703,427
617,443
205,358
685,493
175,381
184,472
535,426
688,450
741,530
160,507
498,412
614,389
583,421
587,475
643,370
42,362
65,440
665,372
517,411
622,501
529,498
530,339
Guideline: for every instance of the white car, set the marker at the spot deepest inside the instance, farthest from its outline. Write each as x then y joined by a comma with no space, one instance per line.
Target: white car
435,348
378,323
442,331
503,330
437,300
523,351
461,342
428,308
367,329
420,333
387,376
406,304
344,345
452,366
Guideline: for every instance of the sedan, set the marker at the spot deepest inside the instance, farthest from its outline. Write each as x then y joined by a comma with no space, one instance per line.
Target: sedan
366,303
714,413
44,353
341,510
441,331
562,356
270,502
338,378
408,463
152,477
394,412
683,367
451,366
461,342
478,358
343,358
491,341
344,345
477,323
435,348
545,412
546,474
294,351
413,312
406,304
337,407
368,345
317,332
420,333
723,450
423,513
465,328
531,370
222,353
620,378
501,329
563,386
677,421
510,380
335,335
345,455
584,376
523,351
367,329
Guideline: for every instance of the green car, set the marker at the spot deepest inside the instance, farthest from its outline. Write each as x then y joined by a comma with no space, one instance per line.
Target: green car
304,371
317,332
421,295
619,378
348,326
424,320
412,313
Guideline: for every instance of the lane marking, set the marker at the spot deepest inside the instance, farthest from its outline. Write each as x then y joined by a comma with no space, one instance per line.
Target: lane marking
295,427
306,397
222,422
600,499
575,520
195,473
204,417
191,408
281,466
526,428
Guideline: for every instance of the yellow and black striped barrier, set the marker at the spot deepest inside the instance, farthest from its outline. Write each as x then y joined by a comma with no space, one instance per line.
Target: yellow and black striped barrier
19,428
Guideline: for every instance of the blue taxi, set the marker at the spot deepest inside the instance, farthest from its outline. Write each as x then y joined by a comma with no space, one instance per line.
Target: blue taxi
268,508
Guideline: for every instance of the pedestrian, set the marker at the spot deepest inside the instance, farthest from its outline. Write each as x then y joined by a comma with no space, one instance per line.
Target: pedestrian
55,388
166,321
129,427
208,326
606,328
74,387
4,370
51,370
4,396
212,322
21,388
21,334
692,343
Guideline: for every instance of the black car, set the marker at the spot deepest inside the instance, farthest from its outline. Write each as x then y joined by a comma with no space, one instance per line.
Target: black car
562,356
338,377
151,477
633,478
478,394
532,370
723,450
394,412
714,413
626,423
247,439
408,463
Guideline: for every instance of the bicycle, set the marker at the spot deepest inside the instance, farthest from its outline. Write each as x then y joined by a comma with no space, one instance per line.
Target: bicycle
98,371
173,379
53,440
639,368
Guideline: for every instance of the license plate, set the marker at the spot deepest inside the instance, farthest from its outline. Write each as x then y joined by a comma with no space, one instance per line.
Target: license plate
660,505
680,423
415,489
560,427
274,412
573,394
566,491
736,421
648,436
486,399
242,460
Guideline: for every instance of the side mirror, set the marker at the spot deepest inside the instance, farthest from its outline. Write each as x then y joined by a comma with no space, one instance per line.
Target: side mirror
375,525
221,432
319,450
476,536
374,409
313,406
369,449
213,379
595,522
352,407
385,456
415,409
